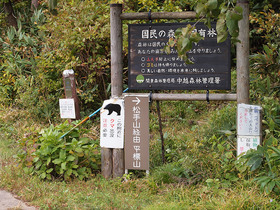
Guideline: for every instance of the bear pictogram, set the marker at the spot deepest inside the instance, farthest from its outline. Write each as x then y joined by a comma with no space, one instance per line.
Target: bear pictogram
113,108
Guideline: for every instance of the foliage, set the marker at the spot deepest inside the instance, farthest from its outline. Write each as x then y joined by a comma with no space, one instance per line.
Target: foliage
49,156
166,5
266,58
79,39
260,5
52,5
264,161
185,37
21,81
142,193
195,150
271,119
227,15
171,173
34,56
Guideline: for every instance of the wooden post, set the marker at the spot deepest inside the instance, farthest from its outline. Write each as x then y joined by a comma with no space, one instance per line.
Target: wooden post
118,162
242,55
106,161
70,90
187,97
158,15
116,75
115,157
116,51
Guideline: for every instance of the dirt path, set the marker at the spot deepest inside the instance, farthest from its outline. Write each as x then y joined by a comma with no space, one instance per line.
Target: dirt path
8,201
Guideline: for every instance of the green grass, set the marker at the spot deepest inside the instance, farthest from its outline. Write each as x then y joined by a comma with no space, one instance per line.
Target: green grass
168,187
98,193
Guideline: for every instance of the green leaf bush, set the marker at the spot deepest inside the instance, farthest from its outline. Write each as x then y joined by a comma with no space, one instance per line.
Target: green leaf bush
33,57
78,38
48,156
23,83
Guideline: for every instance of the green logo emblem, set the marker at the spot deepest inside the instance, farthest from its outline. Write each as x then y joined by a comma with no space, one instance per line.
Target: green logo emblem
140,78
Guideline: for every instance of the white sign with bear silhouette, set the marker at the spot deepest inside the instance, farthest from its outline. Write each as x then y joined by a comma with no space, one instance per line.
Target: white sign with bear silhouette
112,124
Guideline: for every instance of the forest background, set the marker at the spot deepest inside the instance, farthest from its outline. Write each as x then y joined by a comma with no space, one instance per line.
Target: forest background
40,39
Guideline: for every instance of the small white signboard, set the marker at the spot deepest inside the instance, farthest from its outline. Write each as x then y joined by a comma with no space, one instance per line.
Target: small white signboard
248,120
112,124
67,108
245,143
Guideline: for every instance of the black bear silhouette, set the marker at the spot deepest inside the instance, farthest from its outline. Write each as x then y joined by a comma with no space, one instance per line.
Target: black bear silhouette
113,108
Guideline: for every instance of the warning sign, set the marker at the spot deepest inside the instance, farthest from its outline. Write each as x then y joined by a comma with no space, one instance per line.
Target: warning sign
112,124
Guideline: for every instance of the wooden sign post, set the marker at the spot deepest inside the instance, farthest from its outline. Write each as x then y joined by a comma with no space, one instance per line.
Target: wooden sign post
242,55
70,90
113,159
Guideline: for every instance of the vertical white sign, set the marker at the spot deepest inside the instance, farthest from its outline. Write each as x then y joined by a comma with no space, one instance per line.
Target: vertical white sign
67,108
245,143
112,124
248,119
248,127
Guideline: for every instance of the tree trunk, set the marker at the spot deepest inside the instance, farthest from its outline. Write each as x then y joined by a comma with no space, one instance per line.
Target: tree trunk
34,4
11,18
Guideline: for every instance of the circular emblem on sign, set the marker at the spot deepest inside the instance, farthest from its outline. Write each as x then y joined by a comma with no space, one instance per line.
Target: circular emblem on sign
140,78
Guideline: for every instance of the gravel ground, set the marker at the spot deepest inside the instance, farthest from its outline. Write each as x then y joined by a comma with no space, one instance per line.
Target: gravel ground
9,202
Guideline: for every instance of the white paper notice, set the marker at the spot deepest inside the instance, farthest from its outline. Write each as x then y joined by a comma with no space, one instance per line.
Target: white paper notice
67,108
112,124
248,120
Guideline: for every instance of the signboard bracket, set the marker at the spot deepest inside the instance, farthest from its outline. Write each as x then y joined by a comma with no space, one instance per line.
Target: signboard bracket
207,97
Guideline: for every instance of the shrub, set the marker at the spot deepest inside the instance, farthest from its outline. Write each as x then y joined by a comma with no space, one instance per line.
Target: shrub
78,38
49,156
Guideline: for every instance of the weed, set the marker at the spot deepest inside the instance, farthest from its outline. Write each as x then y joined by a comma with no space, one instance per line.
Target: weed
50,156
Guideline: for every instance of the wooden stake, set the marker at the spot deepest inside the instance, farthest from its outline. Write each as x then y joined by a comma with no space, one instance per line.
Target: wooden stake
118,163
106,161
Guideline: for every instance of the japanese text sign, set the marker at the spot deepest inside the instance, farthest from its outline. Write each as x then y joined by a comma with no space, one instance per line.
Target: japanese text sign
137,132
151,68
245,143
112,124
67,108
248,120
